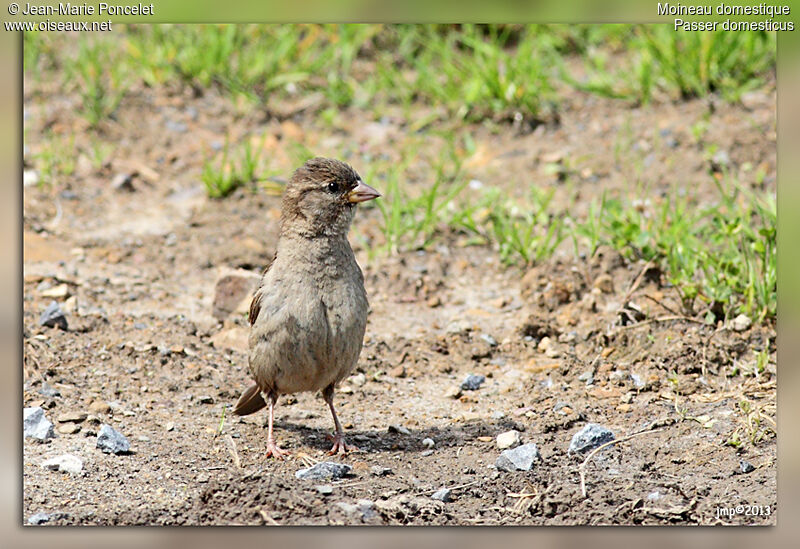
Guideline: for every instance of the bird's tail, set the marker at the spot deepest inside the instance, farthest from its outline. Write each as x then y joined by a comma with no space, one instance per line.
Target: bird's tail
250,402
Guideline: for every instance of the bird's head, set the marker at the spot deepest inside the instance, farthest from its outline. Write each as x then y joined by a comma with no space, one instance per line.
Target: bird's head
321,198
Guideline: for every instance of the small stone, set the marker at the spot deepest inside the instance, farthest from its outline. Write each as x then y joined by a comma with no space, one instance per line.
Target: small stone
57,292
349,508
587,376
324,489
472,382
453,392
604,283
428,443
53,316
509,439
99,407
72,417
68,428
66,463
442,495
38,518
123,182
434,301
358,380
720,160
746,467
48,391
520,458
398,429
489,339
426,453
589,438
544,344
325,470
35,425
741,323
205,399
112,441
366,507
654,496
380,471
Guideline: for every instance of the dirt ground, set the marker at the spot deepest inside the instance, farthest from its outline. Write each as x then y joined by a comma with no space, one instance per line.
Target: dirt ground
135,268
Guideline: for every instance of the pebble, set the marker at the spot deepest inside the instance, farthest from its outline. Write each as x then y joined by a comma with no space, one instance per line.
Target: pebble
38,518
453,392
72,417
68,428
35,425
720,160
426,453
169,426
56,292
520,458
489,339
205,399
99,407
48,391
380,471
358,380
442,495
654,496
325,470
472,382
66,463
53,316
324,489
111,441
589,438
746,467
509,439
398,429
123,182
741,323
587,376
428,443
604,283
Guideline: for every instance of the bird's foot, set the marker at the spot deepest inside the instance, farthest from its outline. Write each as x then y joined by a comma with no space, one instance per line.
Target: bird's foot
339,446
274,451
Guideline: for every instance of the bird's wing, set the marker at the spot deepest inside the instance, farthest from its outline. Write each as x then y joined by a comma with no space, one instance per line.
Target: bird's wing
255,304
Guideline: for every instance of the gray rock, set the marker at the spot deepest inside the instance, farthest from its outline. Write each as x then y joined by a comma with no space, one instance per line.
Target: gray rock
48,391
325,470
442,495
66,463
380,471
324,489
589,438
398,429
112,441
472,382
367,508
38,518
587,376
489,339
520,458
426,453
746,467
428,443
53,316
35,425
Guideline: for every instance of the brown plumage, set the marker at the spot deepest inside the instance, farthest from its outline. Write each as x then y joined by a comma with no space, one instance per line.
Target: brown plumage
309,315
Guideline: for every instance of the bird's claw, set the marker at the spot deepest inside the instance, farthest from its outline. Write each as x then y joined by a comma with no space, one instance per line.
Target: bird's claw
276,452
340,447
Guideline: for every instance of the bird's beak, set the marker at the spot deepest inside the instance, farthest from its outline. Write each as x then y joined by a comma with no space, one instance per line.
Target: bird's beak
362,193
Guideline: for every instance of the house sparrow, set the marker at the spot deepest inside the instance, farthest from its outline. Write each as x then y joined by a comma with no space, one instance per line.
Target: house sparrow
309,314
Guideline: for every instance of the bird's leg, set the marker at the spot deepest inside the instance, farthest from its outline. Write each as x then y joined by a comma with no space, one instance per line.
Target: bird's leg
339,445
272,448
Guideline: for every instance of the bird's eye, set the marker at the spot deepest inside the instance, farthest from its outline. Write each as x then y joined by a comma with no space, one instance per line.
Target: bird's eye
333,187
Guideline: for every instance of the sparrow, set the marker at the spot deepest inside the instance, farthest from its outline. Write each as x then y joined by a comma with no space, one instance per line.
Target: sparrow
309,314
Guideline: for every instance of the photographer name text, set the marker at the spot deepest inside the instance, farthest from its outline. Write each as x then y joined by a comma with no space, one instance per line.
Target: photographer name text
102,8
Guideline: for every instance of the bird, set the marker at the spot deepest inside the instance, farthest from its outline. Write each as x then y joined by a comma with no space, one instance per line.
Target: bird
309,313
